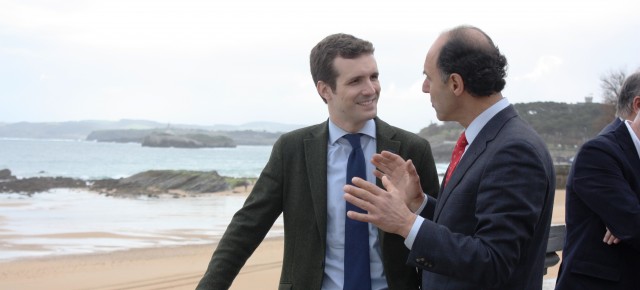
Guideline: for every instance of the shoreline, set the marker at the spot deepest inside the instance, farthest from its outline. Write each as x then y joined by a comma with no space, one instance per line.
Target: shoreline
164,267
179,267
71,221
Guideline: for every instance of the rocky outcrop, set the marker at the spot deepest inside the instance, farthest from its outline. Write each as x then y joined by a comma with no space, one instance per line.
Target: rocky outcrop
157,182
151,183
5,174
9,183
186,141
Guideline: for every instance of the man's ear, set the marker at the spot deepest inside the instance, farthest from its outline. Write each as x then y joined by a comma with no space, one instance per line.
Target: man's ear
456,84
635,124
324,90
635,104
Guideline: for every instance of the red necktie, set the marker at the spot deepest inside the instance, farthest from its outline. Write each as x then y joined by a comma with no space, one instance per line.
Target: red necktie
456,155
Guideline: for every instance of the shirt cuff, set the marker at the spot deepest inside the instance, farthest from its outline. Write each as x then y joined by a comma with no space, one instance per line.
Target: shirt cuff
423,205
411,237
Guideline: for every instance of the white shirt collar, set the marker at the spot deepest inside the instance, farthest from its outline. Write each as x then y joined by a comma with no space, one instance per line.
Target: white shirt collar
479,122
336,132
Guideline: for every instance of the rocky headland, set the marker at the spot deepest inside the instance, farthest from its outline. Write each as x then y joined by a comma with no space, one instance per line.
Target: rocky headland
184,138
152,183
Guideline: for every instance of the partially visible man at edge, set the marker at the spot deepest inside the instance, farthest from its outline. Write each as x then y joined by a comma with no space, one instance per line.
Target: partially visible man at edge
626,108
603,196
491,221
304,180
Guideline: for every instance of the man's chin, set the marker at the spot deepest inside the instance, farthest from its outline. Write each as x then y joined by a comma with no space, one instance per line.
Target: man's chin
372,115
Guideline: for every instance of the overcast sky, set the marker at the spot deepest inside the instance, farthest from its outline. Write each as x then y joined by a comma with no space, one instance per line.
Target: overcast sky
239,61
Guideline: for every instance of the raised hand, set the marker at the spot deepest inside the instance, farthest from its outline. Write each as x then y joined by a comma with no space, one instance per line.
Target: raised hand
402,174
385,208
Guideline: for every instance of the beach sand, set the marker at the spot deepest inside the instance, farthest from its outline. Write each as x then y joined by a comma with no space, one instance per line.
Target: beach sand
178,267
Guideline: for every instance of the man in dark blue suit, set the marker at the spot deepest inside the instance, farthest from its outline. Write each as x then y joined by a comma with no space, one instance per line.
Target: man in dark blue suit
488,228
625,107
603,196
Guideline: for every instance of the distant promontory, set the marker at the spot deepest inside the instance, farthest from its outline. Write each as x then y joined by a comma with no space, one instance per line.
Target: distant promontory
184,138
158,139
564,128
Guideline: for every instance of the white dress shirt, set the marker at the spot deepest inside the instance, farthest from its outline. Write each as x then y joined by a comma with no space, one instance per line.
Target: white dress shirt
634,136
337,157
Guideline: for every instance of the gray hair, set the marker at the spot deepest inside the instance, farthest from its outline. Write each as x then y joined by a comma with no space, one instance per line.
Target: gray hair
630,89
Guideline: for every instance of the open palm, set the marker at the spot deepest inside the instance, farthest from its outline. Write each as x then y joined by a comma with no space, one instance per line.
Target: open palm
402,174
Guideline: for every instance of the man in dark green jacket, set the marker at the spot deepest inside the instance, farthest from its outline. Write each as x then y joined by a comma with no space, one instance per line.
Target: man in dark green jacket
304,179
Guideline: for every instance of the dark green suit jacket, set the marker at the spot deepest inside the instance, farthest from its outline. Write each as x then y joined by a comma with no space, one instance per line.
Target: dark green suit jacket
294,183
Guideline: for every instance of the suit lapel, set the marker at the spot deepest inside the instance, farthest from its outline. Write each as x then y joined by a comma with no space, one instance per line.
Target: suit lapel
479,145
624,140
384,140
315,151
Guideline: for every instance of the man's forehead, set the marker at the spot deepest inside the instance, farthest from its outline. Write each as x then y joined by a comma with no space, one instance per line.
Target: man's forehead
347,65
437,45
358,57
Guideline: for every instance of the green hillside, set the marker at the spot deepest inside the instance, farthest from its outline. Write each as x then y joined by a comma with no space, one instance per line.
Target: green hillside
564,127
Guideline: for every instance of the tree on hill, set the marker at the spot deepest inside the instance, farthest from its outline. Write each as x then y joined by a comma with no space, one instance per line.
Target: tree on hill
611,83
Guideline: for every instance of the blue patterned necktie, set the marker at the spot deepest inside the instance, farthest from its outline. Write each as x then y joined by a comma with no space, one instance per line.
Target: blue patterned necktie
357,274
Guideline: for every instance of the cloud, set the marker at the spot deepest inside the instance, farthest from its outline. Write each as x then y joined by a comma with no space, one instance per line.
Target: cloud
193,61
546,64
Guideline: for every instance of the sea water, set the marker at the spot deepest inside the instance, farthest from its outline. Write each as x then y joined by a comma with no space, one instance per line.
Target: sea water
94,160
69,221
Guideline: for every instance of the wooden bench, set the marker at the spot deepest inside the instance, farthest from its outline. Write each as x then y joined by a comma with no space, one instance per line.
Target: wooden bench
555,243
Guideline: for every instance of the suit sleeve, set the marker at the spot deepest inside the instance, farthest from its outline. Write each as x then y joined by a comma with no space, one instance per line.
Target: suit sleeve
494,213
429,209
601,181
248,226
428,173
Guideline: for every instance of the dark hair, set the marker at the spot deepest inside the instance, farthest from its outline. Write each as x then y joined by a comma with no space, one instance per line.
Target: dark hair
630,89
332,46
478,61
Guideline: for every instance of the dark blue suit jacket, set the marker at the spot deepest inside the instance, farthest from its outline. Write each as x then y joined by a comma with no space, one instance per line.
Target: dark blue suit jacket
611,126
603,189
491,221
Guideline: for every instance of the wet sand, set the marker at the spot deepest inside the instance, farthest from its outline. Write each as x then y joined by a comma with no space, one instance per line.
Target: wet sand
178,267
